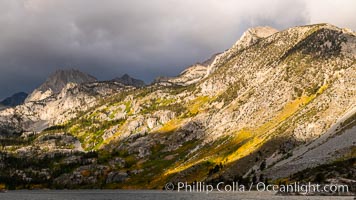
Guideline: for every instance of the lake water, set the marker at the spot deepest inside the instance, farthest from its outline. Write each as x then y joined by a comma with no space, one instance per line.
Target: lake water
146,195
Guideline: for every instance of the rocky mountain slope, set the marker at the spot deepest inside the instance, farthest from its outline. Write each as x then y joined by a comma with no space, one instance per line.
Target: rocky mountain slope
276,104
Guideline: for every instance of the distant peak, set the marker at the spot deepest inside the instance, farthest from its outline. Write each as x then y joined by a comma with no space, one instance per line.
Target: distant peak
69,71
61,77
15,99
128,80
58,80
126,76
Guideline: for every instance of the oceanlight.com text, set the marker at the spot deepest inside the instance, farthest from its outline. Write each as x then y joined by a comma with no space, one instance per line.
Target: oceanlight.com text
302,188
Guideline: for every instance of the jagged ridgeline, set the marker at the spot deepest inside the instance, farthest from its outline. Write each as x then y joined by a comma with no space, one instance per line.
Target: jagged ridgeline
277,106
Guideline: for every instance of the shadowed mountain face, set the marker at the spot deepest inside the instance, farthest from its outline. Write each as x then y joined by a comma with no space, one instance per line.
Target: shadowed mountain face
14,100
274,105
127,80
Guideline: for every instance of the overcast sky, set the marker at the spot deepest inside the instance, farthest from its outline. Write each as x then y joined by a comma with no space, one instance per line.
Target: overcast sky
144,38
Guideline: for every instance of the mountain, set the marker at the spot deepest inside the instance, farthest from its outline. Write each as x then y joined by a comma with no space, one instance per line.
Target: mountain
61,97
129,81
278,106
14,100
2,107
57,81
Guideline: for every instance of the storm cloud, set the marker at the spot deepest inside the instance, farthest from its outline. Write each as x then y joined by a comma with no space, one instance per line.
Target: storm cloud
142,38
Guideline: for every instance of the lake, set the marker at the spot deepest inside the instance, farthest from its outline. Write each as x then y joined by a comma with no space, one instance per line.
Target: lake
147,195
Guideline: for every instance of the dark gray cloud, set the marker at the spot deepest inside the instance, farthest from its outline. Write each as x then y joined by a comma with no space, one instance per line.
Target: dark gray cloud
143,38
